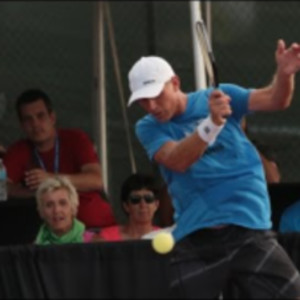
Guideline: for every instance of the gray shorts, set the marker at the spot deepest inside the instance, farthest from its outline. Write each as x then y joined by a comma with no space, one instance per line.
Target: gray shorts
234,262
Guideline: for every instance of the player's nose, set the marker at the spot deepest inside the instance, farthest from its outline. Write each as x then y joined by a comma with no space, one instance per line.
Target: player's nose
152,104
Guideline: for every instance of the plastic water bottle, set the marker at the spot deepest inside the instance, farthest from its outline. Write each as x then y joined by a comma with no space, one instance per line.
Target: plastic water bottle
3,182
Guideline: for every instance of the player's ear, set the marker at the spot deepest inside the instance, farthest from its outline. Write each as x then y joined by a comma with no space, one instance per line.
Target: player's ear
175,82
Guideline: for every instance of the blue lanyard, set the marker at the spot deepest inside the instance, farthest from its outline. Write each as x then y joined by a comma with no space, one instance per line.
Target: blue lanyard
56,157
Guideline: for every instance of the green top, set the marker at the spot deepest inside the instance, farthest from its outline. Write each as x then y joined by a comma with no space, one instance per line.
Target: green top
47,237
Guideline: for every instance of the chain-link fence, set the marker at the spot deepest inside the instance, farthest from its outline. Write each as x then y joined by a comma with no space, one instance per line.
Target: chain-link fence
245,37
50,45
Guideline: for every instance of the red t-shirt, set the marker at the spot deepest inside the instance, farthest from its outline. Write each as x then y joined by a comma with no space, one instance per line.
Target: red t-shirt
75,150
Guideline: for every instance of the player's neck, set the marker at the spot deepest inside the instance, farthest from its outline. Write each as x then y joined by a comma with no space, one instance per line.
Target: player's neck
181,104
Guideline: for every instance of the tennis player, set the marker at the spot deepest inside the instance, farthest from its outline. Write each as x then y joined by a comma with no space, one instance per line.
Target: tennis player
215,179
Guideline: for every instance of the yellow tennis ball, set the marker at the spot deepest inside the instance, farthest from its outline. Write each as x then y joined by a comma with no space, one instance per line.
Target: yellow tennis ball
163,242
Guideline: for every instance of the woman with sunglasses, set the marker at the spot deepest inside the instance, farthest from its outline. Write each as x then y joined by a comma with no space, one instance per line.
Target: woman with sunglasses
139,201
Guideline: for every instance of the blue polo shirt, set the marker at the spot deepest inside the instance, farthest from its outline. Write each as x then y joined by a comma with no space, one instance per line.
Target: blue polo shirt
227,184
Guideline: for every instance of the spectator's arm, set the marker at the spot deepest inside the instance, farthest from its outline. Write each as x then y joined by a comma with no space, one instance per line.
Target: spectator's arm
271,169
88,179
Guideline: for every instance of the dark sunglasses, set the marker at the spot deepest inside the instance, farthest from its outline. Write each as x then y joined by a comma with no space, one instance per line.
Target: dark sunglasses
136,199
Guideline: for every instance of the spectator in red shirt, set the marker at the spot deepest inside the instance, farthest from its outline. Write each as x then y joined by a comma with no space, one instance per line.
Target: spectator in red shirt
47,151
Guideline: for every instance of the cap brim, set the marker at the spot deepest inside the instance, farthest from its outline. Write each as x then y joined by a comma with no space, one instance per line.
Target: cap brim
150,91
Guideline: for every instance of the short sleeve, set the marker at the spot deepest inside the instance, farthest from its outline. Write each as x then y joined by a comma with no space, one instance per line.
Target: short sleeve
151,135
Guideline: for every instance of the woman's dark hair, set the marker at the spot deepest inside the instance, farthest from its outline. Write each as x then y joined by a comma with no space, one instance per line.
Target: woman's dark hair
30,96
139,181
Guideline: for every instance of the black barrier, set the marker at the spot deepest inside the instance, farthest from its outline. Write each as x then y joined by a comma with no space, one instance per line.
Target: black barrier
104,270
107,270
19,221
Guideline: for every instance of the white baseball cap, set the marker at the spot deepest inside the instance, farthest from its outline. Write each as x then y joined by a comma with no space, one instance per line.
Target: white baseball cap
147,77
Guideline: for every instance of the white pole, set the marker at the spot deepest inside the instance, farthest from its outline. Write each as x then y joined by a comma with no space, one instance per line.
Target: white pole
200,78
100,95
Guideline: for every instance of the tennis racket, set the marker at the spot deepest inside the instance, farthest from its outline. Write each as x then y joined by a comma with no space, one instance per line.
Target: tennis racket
207,53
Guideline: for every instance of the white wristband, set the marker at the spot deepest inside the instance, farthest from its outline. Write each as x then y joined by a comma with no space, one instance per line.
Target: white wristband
208,130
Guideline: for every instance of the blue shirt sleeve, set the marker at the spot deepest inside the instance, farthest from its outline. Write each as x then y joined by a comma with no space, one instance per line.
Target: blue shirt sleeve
151,135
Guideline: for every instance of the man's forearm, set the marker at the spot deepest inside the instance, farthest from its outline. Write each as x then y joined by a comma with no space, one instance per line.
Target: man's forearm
282,89
85,181
179,156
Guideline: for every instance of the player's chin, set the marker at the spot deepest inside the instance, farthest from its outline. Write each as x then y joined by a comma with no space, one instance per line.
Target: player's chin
162,118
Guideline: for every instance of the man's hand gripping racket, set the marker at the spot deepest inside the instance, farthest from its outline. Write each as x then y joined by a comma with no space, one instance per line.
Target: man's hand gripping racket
219,102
